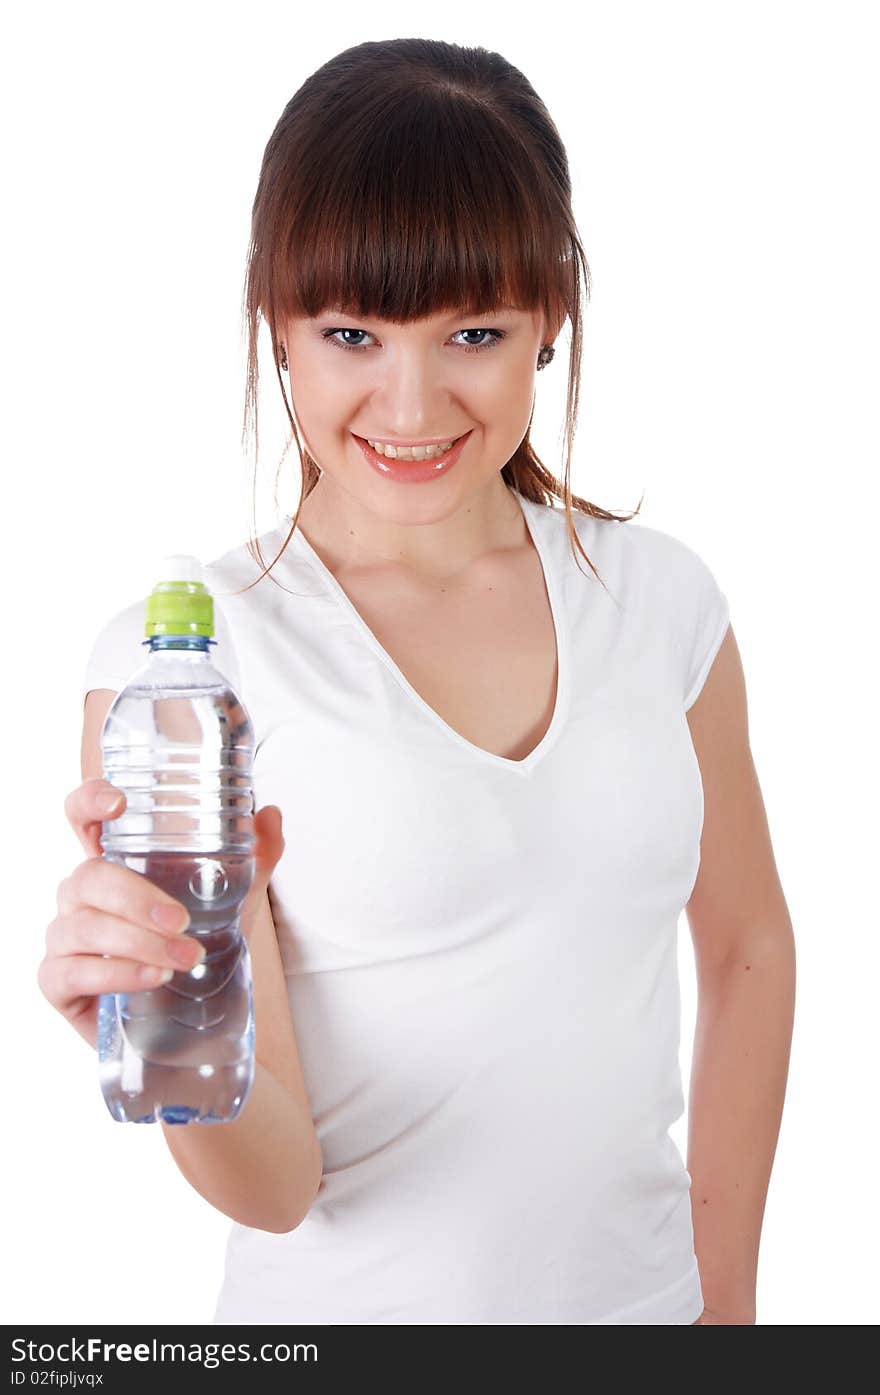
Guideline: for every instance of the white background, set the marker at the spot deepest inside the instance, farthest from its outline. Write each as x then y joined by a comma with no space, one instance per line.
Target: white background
724,163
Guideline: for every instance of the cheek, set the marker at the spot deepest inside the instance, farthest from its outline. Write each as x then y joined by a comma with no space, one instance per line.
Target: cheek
320,403
505,404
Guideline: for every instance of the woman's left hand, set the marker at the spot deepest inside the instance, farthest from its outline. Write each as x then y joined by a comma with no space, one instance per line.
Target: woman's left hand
709,1318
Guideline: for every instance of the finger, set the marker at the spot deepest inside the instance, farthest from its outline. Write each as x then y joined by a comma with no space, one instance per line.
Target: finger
270,840
108,886
89,931
268,849
88,806
65,979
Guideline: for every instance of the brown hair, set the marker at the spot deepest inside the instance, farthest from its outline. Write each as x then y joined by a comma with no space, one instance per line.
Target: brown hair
407,177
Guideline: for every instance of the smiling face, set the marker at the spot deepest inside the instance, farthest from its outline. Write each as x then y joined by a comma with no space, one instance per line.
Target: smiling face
437,378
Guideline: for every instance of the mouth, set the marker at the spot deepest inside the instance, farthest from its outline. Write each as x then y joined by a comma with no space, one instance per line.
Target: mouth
404,453
413,470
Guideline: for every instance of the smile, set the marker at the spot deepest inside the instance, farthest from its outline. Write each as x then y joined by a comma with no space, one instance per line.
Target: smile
413,464
412,452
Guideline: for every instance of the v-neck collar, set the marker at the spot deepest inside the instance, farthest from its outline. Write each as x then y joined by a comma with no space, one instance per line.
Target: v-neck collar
536,518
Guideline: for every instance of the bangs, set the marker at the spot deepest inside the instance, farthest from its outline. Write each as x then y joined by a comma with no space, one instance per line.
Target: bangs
413,208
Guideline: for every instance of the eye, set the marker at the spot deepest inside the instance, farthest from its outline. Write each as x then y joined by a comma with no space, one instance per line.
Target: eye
330,336
497,335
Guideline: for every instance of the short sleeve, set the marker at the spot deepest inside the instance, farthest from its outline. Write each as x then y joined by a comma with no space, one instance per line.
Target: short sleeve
120,648
709,617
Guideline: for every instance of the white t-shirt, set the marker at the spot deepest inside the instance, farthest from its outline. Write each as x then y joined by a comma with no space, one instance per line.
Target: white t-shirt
480,953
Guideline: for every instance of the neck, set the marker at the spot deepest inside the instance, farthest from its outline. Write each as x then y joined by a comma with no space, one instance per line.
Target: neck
347,536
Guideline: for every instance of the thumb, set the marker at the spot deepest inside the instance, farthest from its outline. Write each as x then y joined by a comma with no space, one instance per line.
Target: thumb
269,839
268,848
269,844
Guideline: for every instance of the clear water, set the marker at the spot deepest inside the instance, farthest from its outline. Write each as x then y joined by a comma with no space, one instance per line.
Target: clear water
179,744
184,1051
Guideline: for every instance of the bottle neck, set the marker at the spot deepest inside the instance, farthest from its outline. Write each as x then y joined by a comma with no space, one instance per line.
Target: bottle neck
194,644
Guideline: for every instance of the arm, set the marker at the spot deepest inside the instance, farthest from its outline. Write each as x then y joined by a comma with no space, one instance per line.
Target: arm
264,1168
246,1168
745,961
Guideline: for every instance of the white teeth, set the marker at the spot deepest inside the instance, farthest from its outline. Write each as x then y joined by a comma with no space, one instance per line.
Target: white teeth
413,452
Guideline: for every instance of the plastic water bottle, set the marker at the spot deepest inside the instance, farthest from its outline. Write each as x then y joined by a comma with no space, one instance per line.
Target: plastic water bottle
180,745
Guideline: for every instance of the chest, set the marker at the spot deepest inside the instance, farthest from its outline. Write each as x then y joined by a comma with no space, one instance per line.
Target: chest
403,843
482,655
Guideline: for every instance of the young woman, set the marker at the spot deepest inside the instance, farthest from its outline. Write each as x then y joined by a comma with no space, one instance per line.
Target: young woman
502,775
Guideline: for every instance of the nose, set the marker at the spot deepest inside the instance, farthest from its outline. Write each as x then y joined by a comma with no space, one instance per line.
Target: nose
410,398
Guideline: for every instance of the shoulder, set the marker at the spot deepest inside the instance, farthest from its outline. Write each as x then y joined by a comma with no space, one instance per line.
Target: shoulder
652,550
251,576
663,585
644,556
675,567
227,574
119,645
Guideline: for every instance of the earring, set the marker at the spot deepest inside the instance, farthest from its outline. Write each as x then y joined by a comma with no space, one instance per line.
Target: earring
284,358
545,356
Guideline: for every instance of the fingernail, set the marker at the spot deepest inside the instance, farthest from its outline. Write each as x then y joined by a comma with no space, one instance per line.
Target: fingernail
170,917
151,973
186,952
109,801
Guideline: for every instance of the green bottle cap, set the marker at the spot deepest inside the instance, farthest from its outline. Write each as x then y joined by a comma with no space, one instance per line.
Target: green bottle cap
180,602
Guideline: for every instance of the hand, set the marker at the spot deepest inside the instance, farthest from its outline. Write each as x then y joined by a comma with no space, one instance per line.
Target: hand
105,909
267,852
710,1317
